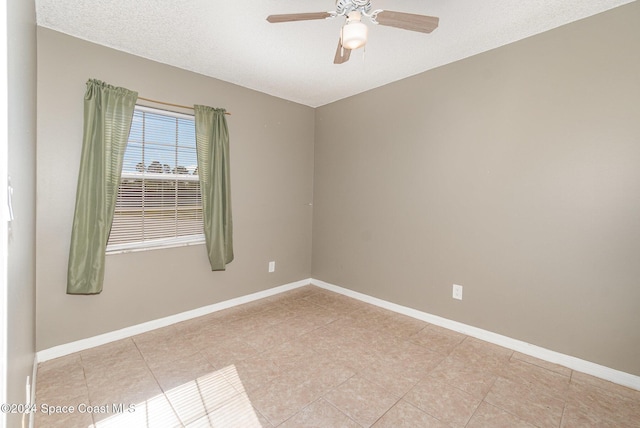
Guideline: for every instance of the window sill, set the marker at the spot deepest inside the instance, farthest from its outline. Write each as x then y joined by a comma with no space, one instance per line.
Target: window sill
158,244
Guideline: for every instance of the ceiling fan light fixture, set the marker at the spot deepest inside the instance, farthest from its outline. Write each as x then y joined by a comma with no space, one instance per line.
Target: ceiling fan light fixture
354,35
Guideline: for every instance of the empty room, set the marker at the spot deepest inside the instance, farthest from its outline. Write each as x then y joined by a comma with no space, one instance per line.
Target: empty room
327,213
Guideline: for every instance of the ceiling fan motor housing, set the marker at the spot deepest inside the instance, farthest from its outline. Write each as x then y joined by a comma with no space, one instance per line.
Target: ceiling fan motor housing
344,7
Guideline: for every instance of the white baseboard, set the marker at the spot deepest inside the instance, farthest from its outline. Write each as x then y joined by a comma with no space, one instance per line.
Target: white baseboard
597,370
81,345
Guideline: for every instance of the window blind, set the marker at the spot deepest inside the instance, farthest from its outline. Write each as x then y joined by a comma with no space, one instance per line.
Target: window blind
159,202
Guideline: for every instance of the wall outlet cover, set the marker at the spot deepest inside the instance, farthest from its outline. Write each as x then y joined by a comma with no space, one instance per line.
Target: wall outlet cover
457,291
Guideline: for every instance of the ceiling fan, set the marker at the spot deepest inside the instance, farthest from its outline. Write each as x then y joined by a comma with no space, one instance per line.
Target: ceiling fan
353,34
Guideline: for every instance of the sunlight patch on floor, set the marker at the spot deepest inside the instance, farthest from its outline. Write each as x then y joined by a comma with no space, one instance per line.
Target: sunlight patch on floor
209,400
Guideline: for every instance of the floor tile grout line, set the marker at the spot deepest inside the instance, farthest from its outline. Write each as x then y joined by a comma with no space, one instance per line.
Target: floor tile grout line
386,411
482,400
564,409
564,403
164,393
334,406
86,384
506,411
175,413
474,412
540,366
338,386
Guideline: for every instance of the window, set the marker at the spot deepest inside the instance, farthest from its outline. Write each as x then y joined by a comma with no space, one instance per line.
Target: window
158,203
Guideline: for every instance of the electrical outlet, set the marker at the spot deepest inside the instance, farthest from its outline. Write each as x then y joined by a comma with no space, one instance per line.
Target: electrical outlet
457,291
272,266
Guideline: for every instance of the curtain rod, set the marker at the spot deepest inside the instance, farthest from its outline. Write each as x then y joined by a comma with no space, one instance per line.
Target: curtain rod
173,105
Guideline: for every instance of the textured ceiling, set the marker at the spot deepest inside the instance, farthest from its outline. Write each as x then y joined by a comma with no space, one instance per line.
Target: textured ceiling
232,41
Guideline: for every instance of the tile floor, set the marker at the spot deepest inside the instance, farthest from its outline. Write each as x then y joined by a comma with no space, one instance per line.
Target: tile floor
313,358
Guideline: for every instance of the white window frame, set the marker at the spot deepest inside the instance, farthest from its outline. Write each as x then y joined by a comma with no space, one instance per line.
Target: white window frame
155,244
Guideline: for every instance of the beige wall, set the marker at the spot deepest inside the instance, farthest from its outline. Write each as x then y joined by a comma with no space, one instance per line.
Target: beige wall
515,173
271,176
21,55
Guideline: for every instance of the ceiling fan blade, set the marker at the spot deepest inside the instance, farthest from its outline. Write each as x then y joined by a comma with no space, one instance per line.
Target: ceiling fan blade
289,17
342,55
408,21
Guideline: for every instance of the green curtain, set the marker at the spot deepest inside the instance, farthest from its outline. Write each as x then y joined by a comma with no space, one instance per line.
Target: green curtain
212,144
108,112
